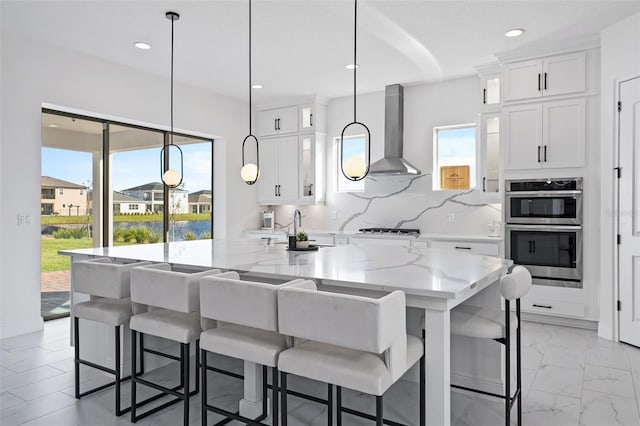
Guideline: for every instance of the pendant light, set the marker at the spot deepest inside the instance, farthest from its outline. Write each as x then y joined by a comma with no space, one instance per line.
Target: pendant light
356,167
250,172
171,177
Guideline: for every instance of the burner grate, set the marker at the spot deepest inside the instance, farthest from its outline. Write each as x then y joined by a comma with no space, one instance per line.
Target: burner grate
400,231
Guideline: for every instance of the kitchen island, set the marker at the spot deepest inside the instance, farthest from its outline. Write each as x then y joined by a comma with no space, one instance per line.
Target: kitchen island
434,280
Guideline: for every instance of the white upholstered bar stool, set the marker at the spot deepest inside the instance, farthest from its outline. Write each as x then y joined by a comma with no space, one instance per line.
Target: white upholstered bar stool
166,304
247,316
107,284
349,341
498,325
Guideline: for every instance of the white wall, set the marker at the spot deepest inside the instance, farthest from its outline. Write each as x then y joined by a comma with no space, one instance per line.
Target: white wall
620,47
32,73
425,107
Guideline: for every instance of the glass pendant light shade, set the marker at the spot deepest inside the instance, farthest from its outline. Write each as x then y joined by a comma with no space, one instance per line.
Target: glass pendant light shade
250,172
355,168
171,173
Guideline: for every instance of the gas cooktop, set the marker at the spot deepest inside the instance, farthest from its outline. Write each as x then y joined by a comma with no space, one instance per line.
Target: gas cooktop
402,231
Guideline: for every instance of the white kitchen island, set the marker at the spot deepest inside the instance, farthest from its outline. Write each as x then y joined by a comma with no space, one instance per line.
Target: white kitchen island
434,280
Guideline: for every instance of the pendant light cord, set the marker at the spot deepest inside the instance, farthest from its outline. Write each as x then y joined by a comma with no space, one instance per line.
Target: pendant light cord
355,63
250,81
172,21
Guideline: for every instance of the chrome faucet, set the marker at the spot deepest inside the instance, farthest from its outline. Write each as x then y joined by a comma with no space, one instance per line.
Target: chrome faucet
298,215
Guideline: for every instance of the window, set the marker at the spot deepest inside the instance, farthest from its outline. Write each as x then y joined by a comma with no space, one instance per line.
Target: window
353,146
133,207
61,191
82,192
454,154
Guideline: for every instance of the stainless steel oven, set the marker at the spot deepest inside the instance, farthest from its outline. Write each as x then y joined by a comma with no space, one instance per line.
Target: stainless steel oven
553,254
543,230
544,201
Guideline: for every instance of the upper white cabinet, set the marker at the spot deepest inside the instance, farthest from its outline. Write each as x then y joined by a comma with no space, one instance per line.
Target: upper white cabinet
544,135
490,153
292,166
549,76
278,121
278,182
490,91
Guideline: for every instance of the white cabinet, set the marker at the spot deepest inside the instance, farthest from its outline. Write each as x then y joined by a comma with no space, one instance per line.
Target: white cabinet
358,240
490,91
278,121
549,76
544,135
311,158
278,182
312,117
489,171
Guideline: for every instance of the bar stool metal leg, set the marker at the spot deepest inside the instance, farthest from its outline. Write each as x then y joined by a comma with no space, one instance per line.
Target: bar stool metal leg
133,376
518,359
507,346
379,411
76,343
330,404
283,398
339,405
185,375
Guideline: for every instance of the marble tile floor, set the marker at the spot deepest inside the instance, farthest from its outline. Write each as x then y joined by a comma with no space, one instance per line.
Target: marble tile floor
571,377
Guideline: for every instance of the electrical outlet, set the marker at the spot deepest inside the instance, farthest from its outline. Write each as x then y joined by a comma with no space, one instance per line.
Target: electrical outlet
334,214
452,217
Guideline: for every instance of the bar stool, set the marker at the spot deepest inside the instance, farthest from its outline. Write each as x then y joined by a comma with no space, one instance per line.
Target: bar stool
482,323
107,283
247,317
349,341
166,304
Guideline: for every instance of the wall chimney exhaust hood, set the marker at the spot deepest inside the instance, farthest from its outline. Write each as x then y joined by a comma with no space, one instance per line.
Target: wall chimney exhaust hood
392,163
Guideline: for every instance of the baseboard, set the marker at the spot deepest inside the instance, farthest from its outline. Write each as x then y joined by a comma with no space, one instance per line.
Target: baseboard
555,320
19,326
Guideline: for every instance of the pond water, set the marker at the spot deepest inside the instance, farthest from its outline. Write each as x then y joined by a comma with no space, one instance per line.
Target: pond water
198,227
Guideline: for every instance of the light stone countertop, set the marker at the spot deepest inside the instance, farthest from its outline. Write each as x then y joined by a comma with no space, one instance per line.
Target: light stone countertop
419,271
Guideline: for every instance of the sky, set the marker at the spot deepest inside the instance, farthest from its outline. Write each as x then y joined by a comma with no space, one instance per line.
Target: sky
457,147
129,168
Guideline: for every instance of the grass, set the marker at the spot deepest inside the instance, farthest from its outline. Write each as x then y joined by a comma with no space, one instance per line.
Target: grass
51,260
59,220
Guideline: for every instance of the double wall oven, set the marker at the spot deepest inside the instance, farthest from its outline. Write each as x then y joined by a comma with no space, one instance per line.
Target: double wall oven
543,230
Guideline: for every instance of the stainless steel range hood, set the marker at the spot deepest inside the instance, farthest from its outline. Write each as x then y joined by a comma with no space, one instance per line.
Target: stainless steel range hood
392,163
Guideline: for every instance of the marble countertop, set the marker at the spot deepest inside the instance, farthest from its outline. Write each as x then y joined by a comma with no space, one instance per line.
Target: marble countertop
418,271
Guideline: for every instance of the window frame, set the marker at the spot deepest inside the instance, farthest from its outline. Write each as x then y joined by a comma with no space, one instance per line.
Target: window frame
436,169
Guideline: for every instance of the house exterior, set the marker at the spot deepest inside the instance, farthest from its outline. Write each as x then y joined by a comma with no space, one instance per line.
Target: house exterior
125,204
200,201
152,195
60,197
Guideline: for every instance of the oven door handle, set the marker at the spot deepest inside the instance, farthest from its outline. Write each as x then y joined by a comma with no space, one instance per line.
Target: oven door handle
542,194
545,227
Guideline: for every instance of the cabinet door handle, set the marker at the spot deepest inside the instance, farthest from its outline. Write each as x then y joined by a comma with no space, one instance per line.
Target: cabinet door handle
539,82
279,186
310,120
462,248
275,124
310,189
275,190
484,184
545,81
484,96
542,306
545,153
538,153
279,124
530,248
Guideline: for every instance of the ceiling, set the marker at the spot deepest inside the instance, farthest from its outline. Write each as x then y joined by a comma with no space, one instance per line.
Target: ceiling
300,47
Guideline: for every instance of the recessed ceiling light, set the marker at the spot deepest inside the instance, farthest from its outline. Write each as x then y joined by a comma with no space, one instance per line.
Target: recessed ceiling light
142,45
52,125
352,66
256,86
514,32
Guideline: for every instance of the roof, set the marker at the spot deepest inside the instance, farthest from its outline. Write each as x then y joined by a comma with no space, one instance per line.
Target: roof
119,197
49,182
151,186
203,196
